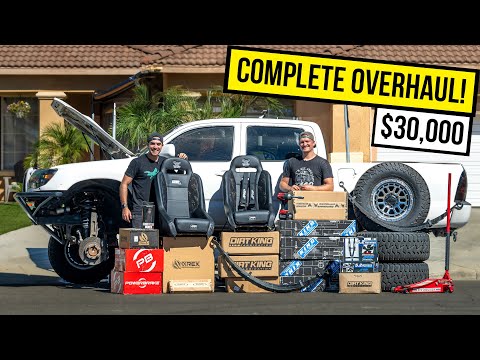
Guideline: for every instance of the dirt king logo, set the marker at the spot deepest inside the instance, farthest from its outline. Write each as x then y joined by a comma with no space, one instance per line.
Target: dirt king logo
185,264
251,241
359,284
141,260
143,239
256,264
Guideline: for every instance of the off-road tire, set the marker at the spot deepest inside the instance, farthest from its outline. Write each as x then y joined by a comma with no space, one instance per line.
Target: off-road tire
400,274
86,274
394,193
400,246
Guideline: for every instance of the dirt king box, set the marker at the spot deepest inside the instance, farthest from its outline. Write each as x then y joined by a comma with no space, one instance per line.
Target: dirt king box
249,243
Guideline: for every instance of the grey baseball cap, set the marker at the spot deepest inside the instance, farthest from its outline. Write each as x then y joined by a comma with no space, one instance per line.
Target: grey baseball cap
307,134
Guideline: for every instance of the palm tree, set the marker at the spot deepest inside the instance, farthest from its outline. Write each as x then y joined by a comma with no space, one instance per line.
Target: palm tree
138,117
162,111
58,144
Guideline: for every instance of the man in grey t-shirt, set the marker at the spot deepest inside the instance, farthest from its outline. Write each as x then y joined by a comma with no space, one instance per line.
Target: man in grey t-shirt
310,173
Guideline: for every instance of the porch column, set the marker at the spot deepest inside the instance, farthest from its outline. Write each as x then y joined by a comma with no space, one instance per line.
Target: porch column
47,115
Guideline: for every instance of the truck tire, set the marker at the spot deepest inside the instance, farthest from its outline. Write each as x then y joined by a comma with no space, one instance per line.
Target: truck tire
400,246
399,274
67,264
393,193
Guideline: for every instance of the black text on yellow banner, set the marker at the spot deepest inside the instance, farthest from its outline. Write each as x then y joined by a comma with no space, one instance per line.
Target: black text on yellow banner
350,80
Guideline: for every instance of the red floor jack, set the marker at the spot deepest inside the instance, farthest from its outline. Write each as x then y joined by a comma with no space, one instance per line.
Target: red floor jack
443,284
283,213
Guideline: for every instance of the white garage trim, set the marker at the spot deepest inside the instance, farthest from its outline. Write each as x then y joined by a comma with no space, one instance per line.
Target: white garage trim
471,163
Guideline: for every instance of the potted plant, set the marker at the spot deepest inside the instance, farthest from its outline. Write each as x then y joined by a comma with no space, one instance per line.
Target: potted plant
20,108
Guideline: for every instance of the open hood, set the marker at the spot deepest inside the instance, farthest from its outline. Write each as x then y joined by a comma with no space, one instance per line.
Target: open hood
90,128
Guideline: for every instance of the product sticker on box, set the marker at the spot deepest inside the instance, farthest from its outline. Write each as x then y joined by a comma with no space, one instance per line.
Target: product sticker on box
360,249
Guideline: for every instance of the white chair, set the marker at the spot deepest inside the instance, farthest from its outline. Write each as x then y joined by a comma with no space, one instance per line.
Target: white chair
8,188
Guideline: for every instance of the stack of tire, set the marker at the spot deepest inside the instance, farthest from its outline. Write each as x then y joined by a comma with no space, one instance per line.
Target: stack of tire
397,195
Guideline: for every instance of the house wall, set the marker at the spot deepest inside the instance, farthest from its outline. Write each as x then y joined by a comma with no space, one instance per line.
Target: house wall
15,84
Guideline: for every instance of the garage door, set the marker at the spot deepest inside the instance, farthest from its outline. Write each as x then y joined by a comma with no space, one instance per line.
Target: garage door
471,163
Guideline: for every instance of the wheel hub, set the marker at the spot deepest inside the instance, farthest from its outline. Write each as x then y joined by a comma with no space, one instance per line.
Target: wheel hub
392,200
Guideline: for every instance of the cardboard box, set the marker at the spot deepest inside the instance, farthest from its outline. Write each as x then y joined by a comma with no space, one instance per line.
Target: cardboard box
319,205
310,248
256,265
188,258
139,260
131,238
360,249
135,282
248,243
240,285
317,227
360,283
359,267
190,286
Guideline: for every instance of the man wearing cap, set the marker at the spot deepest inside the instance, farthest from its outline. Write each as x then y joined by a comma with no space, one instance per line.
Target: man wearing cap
140,173
310,172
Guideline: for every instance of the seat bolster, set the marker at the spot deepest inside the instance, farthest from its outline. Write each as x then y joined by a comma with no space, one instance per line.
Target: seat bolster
252,217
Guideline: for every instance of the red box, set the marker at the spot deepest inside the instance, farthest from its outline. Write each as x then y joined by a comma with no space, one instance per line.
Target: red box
136,282
139,260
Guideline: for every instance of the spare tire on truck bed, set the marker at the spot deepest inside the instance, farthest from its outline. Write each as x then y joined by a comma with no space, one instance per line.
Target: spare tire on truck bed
391,193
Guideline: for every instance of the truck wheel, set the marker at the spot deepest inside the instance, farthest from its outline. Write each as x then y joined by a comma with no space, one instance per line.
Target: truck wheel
400,246
400,274
67,264
393,193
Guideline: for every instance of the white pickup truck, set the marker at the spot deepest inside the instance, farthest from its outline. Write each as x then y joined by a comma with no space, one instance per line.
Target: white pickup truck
78,204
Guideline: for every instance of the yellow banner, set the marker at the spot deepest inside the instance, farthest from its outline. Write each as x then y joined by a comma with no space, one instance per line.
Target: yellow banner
349,80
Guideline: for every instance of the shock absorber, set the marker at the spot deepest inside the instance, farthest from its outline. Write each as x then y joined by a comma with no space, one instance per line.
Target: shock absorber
90,247
86,209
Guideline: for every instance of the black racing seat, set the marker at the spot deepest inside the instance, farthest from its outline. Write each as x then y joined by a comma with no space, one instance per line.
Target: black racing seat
247,195
180,200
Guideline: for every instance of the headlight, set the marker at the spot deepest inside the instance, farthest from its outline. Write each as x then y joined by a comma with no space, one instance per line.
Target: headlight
40,177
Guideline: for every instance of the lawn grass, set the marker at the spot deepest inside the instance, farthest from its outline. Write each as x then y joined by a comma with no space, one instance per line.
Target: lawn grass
12,217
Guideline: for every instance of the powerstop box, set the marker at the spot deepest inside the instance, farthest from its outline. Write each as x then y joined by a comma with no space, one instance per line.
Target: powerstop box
139,260
131,238
317,227
135,282
319,205
188,258
360,283
310,248
248,243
